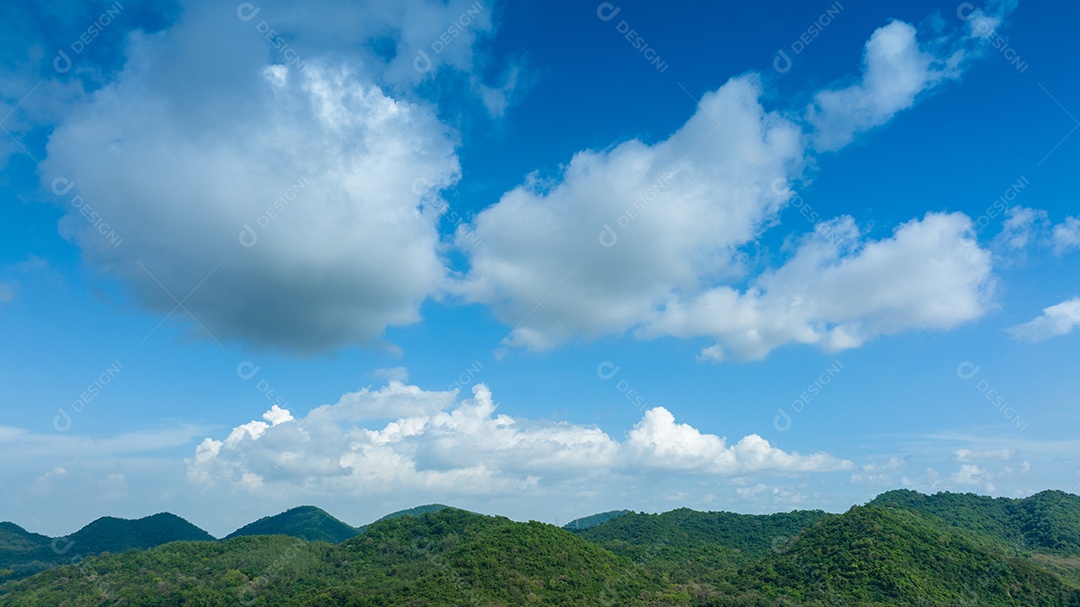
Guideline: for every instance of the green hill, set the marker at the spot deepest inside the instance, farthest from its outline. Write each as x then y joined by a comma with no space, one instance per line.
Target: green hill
905,549
417,511
689,546
878,556
450,557
586,522
1047,521
108,534
23,552
305,522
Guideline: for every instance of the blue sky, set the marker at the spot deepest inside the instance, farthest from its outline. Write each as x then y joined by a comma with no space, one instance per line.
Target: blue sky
531,261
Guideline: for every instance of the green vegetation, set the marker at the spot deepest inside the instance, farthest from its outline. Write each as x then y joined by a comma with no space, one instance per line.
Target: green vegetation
108,534
450,557
1048,521
304,522
884,556
902,549
23,553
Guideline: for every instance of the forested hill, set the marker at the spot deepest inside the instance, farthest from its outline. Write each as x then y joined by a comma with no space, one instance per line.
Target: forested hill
1046,521
23,553
305,522
902,549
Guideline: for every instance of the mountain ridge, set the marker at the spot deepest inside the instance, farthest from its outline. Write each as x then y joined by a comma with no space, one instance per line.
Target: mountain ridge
901,548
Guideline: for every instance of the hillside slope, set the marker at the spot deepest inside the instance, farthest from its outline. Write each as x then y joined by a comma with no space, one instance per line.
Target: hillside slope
1047,521
878,556
23,553
450,557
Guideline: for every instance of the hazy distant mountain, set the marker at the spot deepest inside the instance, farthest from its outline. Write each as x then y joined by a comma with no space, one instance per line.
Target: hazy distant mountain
417,511
305,522
591,521
23,553
108,534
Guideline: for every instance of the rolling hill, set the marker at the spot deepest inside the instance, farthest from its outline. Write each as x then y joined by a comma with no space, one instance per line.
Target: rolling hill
109,534
449,557
23,553
1047,521
885,556
304,522
902,549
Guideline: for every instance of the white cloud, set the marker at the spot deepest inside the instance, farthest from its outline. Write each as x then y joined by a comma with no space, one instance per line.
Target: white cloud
16,442
1066,235
969,455
400,374
396,400
470,449
1023,228
895,71
673,217
113,487
1056,320
678,210
970,474
658,442
1027,229
210,127
349,248
837,291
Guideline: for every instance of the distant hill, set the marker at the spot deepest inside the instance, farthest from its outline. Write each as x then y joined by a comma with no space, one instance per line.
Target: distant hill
417,511
591,521
24,553
1047,521
108,534
449,557
304,522
875,555
694,546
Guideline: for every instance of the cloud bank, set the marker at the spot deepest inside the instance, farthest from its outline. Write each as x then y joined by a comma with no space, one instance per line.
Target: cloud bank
466,448
292,199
